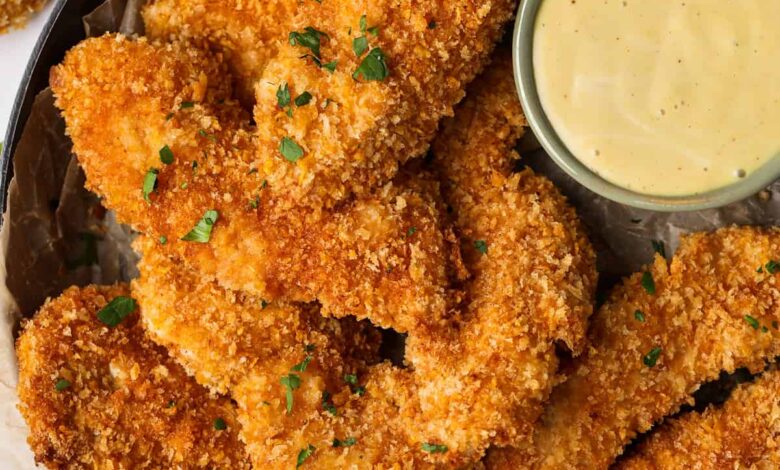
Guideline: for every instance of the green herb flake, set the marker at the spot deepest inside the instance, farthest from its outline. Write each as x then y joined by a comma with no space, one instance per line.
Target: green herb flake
171,404
359,390
772,267
301,366
360,45
220,424
166,155
752,322
373,67
350,379
481,246
309,38
201,233
187,105
659,247
303,99
290,150
291,382
264,304
363,24
348,442
116,310
764,329
203,133
328,405
305,454
411,231
309,347
283,96
169,116
150,183
61,385
163,240
434,448
648,283
373,30
651,358
331,66
254,203
639,316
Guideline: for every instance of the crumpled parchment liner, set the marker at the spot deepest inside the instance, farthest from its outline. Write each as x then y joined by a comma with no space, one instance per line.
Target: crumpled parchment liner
54,228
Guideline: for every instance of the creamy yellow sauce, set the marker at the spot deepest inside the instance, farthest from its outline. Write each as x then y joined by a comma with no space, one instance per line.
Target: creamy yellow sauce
664,97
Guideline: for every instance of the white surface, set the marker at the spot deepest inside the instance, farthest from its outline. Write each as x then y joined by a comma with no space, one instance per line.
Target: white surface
15,50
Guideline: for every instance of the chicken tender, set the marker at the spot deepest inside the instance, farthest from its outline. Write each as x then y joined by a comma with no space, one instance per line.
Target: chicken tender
15,13
476,380
161,142
742,433
97,396
248,32
376,77
662,334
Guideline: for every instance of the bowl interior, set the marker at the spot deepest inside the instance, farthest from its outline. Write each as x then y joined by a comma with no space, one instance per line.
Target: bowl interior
522,56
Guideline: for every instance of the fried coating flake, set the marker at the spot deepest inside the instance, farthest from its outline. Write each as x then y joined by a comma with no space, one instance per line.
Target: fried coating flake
357,128
101,397
663,333
356,259
743,433
476,380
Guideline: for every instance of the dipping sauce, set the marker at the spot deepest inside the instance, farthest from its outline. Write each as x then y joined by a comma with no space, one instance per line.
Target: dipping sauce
663,97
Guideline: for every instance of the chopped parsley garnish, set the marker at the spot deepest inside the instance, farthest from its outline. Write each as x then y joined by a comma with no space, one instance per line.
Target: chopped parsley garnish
283,96
752,321
411,231
772,267
254,203
301,366
359,390
186,104
651,358
264,304
373,67
171,404
303,99
434,448
166,155
309,38
331,66
290,150
328,405
220,424
481,246
201,233
639,316
305,454
360,45
291,382
203,133
348,442
659,247
350,379
150,183
163,240
764,329
363,24
116,310
648,283
61,385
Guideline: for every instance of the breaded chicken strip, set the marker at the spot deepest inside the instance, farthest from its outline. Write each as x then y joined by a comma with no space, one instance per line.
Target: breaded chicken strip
198,167
96,396
248,32
15,13
661,335
471,383
379,75
742,433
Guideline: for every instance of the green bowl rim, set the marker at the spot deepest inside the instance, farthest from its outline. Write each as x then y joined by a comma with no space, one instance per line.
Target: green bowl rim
525,80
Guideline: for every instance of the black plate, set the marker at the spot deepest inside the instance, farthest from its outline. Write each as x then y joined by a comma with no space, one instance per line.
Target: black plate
63,30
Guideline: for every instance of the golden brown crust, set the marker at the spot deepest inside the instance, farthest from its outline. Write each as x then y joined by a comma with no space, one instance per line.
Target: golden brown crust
126,403
696,316
357,259
742,433
469,384
15,13
355,133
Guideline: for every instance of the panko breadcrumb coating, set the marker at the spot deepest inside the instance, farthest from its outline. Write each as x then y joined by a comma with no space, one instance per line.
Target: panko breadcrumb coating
742,433
15,13
356,130
469,384
101,397
127,102
662,334
249,32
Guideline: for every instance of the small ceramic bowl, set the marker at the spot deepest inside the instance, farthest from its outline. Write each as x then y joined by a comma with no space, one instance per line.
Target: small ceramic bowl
522,52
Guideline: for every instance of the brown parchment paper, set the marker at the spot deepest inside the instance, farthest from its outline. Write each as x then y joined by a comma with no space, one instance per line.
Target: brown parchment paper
56,234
